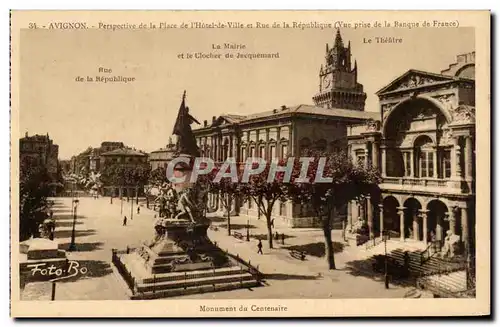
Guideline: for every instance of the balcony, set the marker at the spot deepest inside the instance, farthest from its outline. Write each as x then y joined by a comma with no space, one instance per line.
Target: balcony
432,185
416,181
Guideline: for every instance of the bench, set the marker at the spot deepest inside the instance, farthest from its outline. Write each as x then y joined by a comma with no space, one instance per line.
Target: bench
238,235
298,254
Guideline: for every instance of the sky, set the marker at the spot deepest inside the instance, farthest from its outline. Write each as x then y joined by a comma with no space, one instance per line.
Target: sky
141,113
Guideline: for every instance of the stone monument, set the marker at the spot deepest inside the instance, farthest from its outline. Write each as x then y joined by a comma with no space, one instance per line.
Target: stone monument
181,259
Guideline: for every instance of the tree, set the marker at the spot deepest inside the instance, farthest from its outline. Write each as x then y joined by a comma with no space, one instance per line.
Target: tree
35,187
265,193
226,188
346,181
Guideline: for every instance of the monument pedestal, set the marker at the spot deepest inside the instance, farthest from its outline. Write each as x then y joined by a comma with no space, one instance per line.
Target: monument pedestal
184,261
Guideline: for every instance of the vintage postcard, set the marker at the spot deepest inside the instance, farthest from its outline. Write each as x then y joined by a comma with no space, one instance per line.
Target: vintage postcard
250,163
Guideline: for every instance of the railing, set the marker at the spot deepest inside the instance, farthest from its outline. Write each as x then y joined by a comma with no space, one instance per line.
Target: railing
429,251
254,271
415,181
122,269
374,242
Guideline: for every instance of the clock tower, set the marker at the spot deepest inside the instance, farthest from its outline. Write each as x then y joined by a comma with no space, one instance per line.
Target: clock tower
338,82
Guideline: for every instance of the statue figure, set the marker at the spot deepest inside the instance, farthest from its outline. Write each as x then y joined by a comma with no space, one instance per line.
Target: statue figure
186,141
450,242
171,199
185,206
359,226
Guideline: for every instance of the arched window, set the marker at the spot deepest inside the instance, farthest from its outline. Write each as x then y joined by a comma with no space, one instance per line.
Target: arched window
425,154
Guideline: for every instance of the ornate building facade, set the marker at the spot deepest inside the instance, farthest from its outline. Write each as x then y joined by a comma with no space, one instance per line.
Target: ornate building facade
424,145
40,150
290,129
161,157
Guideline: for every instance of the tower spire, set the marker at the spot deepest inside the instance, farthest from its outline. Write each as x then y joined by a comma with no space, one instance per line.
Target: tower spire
338,40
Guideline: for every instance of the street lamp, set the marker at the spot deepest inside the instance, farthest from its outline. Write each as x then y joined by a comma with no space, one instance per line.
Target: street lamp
248,230
386,275
72,246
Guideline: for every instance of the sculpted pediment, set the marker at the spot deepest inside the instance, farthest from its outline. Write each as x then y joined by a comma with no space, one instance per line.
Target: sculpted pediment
414,79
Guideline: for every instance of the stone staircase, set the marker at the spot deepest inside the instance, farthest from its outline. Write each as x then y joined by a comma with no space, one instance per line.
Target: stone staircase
431,273
446,284
174,284
168,284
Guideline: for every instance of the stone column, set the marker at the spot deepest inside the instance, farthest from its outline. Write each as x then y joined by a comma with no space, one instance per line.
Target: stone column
465,225
349,213
362,209
469,160
221,148
383,161
412,163
456,159
375,156
236,147
439,227
381,217
366,153
423,214
278,143
401,213
416,226
369,214
452,221
434,163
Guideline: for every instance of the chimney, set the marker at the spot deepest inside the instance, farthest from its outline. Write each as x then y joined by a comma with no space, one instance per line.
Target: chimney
213,119
26,134
205,123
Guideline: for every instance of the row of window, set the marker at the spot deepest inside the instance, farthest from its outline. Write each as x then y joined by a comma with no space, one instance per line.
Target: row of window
424,165
126,159
267,153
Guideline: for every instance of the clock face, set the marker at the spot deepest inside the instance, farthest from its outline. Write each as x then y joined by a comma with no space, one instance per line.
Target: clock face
327,81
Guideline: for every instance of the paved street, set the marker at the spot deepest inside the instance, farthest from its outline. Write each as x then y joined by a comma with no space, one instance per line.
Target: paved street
99,229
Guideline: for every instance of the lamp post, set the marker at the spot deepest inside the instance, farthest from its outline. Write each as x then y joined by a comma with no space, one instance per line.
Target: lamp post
248,230
72,246
132,209
386,275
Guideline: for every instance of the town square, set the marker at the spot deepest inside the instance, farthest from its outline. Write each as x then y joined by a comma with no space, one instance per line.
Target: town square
360,192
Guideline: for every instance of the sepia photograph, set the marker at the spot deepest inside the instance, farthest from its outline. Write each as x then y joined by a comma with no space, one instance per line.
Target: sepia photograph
243,165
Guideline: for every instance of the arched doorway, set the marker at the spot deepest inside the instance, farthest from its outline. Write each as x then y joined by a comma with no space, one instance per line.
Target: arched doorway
413,225
437,220
390,217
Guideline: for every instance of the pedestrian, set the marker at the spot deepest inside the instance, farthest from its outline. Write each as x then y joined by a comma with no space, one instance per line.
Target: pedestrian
111,200
138,210
125,221
283,238
259,246
276,236
272,223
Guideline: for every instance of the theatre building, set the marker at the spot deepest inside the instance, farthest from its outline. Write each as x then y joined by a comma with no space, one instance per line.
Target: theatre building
424,145
288,130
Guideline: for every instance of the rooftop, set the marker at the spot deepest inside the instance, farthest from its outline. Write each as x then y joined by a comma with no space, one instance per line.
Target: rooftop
124,152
